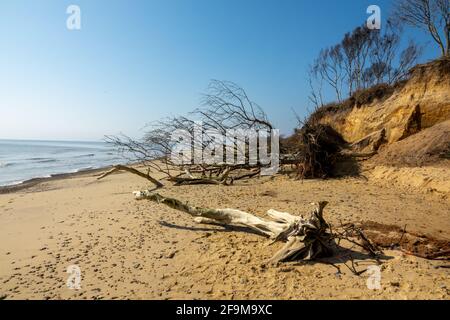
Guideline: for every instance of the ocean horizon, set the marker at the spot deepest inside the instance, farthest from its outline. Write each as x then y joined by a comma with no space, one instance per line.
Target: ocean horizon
22,160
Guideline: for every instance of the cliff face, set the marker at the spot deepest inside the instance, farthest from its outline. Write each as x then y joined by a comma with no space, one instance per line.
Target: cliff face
430,146
419,103
407,125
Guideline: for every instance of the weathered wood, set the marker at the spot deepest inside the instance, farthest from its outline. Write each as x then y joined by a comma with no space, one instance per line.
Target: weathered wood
224,216
191,179
133,171
306,238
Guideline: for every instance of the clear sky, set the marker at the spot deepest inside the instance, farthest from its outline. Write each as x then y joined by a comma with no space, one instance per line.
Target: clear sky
136,61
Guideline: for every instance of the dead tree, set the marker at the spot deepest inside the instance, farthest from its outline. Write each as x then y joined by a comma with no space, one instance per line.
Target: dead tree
308,238
433,16
305,238
225,107
328,67
362,59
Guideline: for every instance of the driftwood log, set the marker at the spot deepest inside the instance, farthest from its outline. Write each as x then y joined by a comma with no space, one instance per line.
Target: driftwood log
306,238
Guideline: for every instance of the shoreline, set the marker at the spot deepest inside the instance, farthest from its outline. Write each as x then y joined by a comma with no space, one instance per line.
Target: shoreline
58,176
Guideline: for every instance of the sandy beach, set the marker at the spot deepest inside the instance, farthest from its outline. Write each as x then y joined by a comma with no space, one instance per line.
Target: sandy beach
128,249
231,151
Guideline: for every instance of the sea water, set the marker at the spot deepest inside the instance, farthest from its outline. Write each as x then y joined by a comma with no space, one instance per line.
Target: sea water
21,160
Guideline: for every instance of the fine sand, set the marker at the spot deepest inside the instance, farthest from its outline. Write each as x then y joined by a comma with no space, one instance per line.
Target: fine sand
128,249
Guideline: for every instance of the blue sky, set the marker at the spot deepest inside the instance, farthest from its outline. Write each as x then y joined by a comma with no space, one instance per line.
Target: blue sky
137,61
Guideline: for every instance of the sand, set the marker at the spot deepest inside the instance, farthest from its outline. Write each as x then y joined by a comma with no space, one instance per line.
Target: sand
128,249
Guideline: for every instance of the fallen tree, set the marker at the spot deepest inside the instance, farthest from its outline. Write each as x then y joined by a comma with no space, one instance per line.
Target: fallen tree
227,108
308,238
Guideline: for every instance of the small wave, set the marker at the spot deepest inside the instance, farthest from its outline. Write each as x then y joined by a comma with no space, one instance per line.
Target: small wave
18,182
6,164
84,169
86,155
11,183
42,160
47,161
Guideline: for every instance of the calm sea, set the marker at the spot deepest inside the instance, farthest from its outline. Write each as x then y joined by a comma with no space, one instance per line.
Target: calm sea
22,160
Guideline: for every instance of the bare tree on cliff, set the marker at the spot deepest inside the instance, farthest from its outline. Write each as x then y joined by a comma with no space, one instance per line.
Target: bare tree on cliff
362,59
433,16
328,66
384,51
